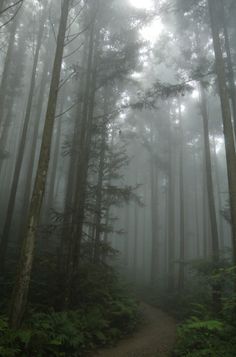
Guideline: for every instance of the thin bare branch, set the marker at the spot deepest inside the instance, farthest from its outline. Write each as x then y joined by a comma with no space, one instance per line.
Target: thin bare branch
20,2
77,49
77,35
66,111
76,17
11,6
66,80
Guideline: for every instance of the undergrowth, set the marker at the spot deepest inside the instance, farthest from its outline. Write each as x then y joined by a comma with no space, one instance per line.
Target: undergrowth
202,337
103,313
206,332
206,327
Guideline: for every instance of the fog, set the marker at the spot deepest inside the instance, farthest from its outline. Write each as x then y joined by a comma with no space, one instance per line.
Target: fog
117,145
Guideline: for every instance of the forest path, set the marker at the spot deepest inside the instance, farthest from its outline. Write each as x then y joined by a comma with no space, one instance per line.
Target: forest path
155,338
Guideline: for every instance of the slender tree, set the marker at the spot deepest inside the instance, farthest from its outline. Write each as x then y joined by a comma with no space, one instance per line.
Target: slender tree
182,203
209,179
99,189
231,76
226,116
20,293
154,212
85,135
21,148
6,69
171,214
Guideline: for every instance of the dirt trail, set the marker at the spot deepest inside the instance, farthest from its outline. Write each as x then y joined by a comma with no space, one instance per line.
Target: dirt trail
155,338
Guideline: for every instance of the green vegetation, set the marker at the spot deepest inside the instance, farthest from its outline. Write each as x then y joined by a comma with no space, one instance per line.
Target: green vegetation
210,329
104,314
201,337
207,325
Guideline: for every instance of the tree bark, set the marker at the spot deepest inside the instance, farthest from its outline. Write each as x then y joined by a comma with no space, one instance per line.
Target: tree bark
20,293
196,206
73,170
136,241
154,217
216,288
181,198
74,242
231,76
220,205
205,214
99,196
209,179
21,150
6,70
227,123
171,215
55,158
33,151
1,6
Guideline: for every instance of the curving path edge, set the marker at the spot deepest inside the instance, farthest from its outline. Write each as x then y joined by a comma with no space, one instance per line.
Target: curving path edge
156,337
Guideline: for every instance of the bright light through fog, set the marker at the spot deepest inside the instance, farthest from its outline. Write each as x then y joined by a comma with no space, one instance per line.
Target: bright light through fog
219,144
183,108
152,32
136,75
195,94
122,116
142,4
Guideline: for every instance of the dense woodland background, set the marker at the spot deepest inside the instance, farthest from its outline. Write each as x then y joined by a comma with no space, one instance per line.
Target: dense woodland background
117,154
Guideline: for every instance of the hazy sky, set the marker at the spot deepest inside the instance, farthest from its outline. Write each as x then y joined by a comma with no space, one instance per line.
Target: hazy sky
142,4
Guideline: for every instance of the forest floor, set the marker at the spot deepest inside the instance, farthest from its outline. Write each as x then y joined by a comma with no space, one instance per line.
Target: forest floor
155,338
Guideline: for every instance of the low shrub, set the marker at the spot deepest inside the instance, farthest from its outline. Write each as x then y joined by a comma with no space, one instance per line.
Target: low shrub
108,314
209,333
69,333
210,338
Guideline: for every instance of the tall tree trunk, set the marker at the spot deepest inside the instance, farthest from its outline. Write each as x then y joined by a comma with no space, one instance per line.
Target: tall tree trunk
73,174
220,205
171,215
5,134
21,150
33,151
154,217
20,293
1,6
13,103
196,207
107,214
209,179
6,70
126,236
74,243
231,76
216,289
80,197
99,196
136,243
55,158
205,216
181,199
166,236
226,116
144,235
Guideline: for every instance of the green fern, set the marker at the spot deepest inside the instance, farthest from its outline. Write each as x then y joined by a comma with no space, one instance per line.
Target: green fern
210,325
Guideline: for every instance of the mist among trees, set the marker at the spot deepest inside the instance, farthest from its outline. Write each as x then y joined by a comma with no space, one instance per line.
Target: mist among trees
118,177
